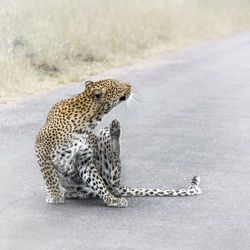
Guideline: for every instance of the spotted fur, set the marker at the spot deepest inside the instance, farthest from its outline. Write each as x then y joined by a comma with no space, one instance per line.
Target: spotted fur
83,164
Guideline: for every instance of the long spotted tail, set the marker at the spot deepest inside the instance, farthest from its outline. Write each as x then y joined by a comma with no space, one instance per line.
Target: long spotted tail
192,189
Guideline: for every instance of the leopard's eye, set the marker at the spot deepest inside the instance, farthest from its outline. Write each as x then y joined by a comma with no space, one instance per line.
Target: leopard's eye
120,90
97,93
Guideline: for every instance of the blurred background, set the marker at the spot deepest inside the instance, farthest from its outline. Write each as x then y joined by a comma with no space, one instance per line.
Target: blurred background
51,42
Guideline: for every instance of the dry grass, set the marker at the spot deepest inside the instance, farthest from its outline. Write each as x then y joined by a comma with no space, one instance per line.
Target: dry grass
51,42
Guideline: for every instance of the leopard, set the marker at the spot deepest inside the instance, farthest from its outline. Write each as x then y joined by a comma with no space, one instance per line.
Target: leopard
78,164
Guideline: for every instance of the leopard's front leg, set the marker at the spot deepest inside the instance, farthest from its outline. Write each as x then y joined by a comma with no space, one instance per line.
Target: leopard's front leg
92,178
54,194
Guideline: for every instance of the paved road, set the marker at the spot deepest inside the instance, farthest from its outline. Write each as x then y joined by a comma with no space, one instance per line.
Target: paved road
194,120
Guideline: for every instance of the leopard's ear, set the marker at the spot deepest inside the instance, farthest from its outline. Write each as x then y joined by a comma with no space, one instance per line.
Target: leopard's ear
87,83
97,93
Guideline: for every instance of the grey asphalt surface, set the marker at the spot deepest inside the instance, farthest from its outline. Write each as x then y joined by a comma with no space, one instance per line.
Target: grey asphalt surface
194,120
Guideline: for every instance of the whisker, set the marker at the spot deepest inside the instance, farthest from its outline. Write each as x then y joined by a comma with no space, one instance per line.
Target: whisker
136,96
136,102
133,103
130,103
136,106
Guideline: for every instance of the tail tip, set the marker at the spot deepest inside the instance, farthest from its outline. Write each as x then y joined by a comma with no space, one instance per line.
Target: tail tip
196,180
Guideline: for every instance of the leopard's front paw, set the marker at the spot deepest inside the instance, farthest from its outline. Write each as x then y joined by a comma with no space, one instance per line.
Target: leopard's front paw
115,128
117,202
58,198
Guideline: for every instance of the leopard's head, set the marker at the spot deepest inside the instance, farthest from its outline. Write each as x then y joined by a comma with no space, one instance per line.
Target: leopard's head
105,94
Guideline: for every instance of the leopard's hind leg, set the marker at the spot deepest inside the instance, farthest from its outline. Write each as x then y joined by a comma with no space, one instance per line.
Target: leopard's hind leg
106,157
109,155
81,191
91,183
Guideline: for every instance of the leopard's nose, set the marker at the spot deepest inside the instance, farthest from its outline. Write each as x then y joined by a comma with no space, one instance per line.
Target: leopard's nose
126,86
